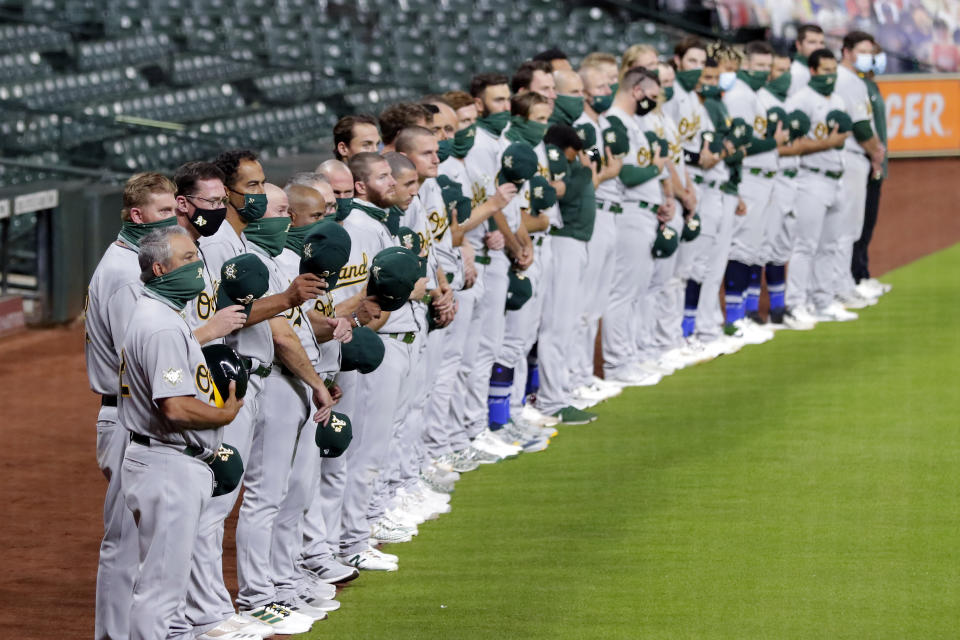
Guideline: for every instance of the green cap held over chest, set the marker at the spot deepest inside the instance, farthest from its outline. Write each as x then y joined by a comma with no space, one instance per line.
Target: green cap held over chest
393,275
518,163
334,437
363,353
519,290
243,279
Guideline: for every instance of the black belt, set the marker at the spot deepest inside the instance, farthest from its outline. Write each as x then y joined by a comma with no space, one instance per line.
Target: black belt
833,175
406,338
612,207
757,171
649,205
263,370
189,450
108,401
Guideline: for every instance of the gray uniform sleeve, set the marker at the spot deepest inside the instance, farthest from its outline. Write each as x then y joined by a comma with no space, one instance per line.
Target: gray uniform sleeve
167,362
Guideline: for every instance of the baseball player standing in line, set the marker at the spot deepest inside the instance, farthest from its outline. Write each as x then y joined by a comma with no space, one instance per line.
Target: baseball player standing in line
809,281
863,158
209,602
744,269
375,191
165,405
148,204
598,97
645,196
285,404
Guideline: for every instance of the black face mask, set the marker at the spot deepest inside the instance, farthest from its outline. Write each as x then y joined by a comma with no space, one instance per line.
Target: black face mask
207,221
645,105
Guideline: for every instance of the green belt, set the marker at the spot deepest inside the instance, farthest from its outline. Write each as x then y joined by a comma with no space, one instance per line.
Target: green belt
449,277
649,206
263,370
406,338
790,173
481,259
189,450
699,180
538,241
612,207
756,171
426,299
833,175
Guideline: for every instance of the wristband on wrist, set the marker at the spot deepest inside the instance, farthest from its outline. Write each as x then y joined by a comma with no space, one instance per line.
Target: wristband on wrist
356,320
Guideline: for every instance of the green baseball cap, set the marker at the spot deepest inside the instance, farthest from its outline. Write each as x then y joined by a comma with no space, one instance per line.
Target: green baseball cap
453,198
691,228
839,119
588,134
740,132
615,137
713,140
243,279
798,123
325,250
227,467
363,353
542,195
393,275
666,242
776,115
557,163
518,164
410,239
519,290
334,437
653,139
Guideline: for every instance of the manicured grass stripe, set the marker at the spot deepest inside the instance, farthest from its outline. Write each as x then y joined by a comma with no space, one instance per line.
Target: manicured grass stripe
805,488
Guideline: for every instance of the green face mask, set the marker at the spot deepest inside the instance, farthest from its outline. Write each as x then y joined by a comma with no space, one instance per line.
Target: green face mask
270,234
393,220
495,123
801,59
254,206
688,79
566,109
601,103
823,84
297,235
780,86
132,232
523,130
463,141
710,92
180,286
754,79
444,149
668,93
343,208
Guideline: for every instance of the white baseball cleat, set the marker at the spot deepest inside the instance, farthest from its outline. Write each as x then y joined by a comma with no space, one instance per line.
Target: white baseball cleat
853,300
301,607
723,346
492,444
238,627
637,378
531,414
330,572
799,319
607,385
750,332
834,312
280,619
874,286
368,560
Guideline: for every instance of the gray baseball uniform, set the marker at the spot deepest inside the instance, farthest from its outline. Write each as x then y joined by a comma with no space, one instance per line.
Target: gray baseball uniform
636,229
816,246
780,219
209,602
165,481
111,296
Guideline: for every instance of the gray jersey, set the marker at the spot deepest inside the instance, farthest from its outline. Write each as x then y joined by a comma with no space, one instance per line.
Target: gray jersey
799,77
482,164
111,297
854,92
769,101
324,357
456,170
817,106
608,190
719,172
160,358
368,237
199,310
255,341
742,102
640,154
438,229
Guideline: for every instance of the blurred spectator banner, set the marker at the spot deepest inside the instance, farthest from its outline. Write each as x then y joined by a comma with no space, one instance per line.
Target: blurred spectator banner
923,114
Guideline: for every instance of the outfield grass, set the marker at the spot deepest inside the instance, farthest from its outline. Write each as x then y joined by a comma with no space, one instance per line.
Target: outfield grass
805,488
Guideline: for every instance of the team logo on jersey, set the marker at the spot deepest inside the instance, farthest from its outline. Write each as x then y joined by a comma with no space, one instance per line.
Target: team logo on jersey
337,424
224,454
354,273
643,156
760,124
508,162
172,376
820,131
230,271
